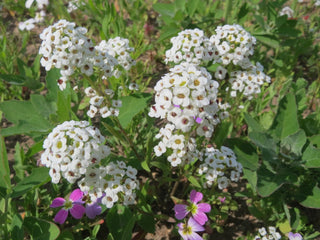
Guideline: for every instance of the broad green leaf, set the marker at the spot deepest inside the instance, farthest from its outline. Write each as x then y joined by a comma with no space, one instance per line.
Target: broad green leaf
221,132
42,106
17,232
311,157
192,6
25,117
66,235
315,140
64,106
312,200
18,162
130,107
51,82
294,143
38,177
253,124
5,183
286,120
268,182
147,223
268,40
120,222
194,181
13,79
245,152
251,176
165,9
40,229
168,32
264,141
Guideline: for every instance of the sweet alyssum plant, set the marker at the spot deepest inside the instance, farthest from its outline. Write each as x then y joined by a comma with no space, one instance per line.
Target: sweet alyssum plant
83,149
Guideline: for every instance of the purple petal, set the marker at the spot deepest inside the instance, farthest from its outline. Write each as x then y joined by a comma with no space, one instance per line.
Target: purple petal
195,236
196,227
57,202
61,216
77,194
180,211
195,196
200,217
198,120
93,210
204,207
77,211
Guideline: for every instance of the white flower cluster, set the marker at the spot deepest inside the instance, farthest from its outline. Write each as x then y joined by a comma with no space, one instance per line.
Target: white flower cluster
248,82
190,45
185,97
103,105
115,182
234,44
234,47
71,148
119,49
74,151
67,48
271,235
220,166
183,148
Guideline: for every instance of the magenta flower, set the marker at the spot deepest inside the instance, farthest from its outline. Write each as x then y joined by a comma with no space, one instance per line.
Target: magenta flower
188,231
197,210
74,204
295,236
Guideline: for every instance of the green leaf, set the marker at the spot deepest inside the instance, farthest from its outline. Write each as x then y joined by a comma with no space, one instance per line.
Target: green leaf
18,162
251,176
311,156
120,222
192,6
286,120
221,132
17,232
42,106
130,107
25,117
40,229
268,182
5,182
267,39
147,223
245,152
315,140
165,9
38,177
51,82
294,143
253,124
312,200
64,106
194,181
13,79
66,235
266,143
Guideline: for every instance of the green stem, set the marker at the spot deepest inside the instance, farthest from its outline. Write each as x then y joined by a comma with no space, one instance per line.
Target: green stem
6,236
227,10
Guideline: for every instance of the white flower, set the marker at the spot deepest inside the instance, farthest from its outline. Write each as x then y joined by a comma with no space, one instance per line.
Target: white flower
286,11
27,25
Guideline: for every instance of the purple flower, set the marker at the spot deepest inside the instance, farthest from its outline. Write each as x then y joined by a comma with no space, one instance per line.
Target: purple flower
94,209
197,210
222,199
74,204
295,236
188,231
